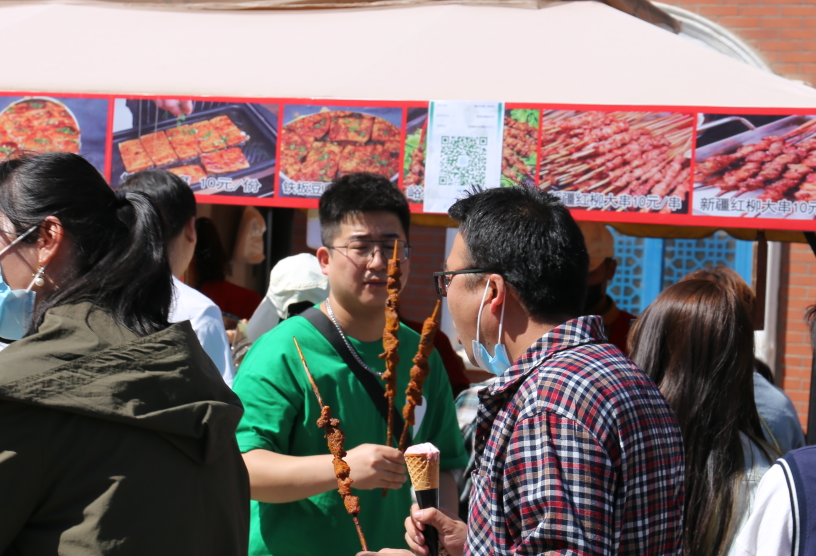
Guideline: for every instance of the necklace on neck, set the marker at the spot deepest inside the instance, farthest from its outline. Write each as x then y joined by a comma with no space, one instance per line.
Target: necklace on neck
348,344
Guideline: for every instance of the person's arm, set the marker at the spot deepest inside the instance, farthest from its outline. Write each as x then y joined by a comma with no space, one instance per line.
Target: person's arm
209,328
559,489
277,478
769,528
441,428
448,491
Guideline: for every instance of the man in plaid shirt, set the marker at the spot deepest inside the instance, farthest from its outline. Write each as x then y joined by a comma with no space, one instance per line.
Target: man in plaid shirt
576,450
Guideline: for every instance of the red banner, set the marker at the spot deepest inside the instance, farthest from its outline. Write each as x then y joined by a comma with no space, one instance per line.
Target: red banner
753,168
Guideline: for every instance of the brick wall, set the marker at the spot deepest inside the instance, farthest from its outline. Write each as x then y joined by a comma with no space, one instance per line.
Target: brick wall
784,33
797,291
428,253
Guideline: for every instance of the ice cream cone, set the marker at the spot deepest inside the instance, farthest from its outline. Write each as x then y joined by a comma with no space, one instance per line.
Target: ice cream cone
424,471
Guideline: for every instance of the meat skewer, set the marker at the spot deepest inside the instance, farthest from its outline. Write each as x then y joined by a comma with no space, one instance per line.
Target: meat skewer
391,340
807,191
336,438
419,372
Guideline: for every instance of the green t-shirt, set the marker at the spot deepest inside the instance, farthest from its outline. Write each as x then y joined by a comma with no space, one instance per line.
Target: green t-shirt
280,416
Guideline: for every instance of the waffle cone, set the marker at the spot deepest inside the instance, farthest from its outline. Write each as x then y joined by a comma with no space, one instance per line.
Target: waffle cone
424,472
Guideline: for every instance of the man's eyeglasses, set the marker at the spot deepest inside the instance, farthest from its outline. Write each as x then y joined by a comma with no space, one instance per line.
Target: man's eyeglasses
443,279
361,251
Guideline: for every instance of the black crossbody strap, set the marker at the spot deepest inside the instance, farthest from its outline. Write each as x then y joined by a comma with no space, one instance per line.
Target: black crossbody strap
372,384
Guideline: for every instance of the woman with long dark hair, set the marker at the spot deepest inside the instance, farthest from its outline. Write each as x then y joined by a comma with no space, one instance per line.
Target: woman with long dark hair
696,341
116,430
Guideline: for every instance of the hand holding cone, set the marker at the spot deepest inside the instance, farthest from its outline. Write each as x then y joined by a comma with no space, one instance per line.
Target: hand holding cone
422,461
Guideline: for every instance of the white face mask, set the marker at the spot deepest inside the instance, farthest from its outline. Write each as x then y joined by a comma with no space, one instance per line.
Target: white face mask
499,362
16,306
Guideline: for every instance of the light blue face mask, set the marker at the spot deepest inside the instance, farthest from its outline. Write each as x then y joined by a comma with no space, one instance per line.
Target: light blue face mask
16,306
499,362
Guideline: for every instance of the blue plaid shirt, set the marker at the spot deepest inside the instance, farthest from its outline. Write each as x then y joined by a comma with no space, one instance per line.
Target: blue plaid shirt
576,452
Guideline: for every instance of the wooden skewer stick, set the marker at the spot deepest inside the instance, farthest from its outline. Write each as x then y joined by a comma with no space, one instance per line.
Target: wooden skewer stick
583,153
333,432
597,185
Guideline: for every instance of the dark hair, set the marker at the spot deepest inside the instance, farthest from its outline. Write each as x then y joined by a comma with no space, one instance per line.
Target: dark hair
171,194
119,259
696,341
729,278
530,238
210,259
358,193
810,319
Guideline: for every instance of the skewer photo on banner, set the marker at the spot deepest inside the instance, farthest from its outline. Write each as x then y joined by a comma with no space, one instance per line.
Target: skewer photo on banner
617,161
756,167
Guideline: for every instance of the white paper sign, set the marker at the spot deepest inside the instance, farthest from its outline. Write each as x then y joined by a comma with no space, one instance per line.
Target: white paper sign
464,150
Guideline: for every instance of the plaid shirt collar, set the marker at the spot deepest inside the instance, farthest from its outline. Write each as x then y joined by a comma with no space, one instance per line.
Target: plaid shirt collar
575,332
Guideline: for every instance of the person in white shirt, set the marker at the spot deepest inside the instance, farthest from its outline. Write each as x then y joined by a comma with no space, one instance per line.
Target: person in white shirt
177,204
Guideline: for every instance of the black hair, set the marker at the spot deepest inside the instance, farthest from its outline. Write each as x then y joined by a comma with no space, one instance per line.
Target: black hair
173,196
358,193
119,258
810,320
210,258
528,237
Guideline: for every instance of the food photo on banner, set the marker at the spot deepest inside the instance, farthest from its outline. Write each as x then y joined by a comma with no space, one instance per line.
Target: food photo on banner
319,143
750,166
416,145
617,161
520,147
222,149
43,124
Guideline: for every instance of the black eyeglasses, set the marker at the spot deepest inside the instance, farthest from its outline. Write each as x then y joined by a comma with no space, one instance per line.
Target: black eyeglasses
443,279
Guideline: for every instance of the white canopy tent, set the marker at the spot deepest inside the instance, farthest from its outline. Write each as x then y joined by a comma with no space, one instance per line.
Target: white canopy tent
565,53
574,52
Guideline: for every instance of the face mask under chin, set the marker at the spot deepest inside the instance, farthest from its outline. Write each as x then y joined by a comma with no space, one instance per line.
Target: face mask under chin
499,362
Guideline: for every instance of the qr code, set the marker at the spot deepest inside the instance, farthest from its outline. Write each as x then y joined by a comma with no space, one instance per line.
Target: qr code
464,161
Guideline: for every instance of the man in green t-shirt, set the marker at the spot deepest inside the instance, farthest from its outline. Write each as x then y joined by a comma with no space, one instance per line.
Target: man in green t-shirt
296,509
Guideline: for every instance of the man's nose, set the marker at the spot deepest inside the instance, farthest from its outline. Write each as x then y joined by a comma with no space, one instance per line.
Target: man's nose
378,258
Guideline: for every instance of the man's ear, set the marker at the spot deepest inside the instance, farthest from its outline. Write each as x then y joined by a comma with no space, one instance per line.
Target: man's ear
497,293
51,236
611,267
322,255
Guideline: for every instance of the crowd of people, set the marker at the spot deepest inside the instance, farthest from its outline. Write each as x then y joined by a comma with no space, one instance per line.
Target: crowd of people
130,425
